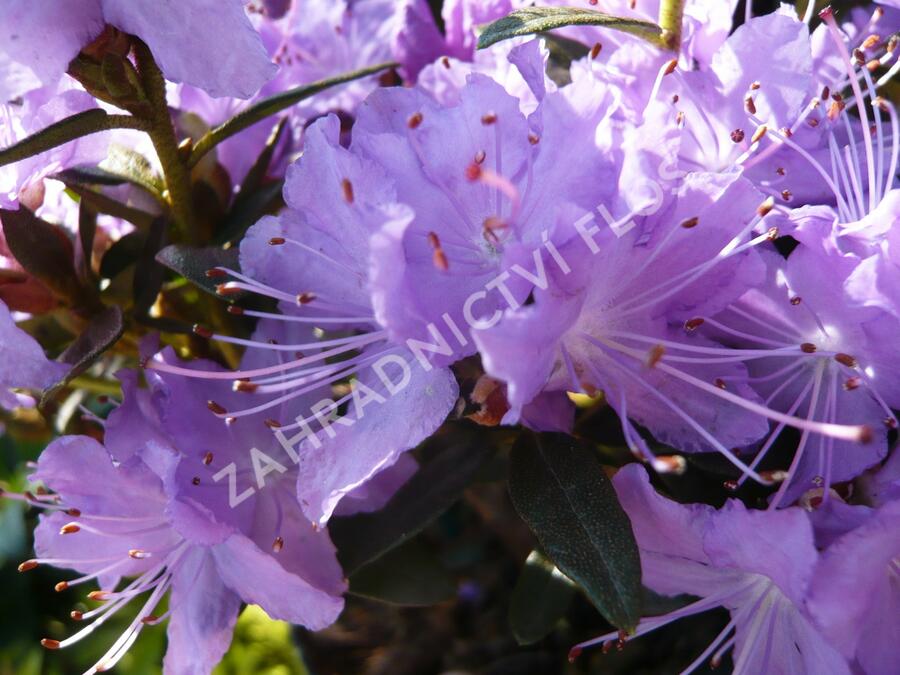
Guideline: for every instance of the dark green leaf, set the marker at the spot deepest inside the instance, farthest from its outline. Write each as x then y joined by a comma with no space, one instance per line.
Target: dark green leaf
257,195
559,488
192,263
102,332
408,575
89,175
92,176
84,243
257,173
449,462
122,254
149,274
532,20
101,203
66,130
540,599
46,252
273,105
249,208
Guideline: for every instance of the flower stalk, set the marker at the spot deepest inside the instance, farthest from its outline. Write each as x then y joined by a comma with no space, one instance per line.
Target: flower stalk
162,134
671,13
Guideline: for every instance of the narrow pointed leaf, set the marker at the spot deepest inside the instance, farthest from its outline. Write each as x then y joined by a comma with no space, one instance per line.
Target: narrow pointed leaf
89,175
274,105
531,20
559,488
66,130
409,576
257,195
135,168
192,263
149,273
248,209
122,254
102,203
84,243
102,333
540,599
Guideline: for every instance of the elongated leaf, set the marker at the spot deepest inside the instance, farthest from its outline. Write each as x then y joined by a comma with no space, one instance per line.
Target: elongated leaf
46,252
121,167
192,263
102,333
84,243
66,130
530,20
409,575
248,209
449,463
540,599
135,168
559,488
257,173
257,195
273,105
122,254
149,274
89,175
101,203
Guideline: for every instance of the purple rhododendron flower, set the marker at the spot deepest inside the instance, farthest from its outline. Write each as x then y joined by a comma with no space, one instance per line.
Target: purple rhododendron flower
186,38
702,242
607,320
483,206
116,520
33,111
854,596
721,107
337,202
318,40
23,363
842,373
179,504
756,564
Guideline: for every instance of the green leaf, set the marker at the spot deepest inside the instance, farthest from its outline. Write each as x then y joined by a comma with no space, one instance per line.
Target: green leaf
257,173
409,575
122,254
89,175
133,167
449,462
102,332
248,209
84,244
149,274
256,196
121,166
532,20
101,203
540,599
559,488
66,130
192,263
274,105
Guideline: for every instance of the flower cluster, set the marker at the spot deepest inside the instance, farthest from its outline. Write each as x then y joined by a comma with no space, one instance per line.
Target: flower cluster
705,242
